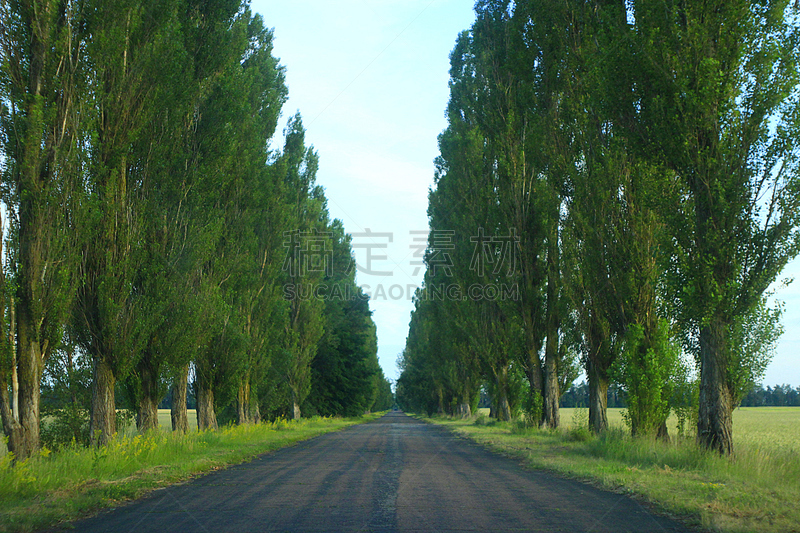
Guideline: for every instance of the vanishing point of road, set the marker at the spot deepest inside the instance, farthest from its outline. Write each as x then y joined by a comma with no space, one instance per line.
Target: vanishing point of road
393,474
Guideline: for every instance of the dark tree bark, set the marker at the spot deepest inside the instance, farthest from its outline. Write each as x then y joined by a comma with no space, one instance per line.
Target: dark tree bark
206,414
103,421
178,412
598,397
551,393
243,413
503,409
147,408
715,420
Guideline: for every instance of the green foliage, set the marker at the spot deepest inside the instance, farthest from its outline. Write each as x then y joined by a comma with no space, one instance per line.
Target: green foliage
384,397
140,185
66,426
685,402
66,399
345,369
532,409
754,341
646,156
648,368
579,429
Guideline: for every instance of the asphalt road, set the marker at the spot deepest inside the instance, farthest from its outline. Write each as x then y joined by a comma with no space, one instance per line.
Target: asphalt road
393,474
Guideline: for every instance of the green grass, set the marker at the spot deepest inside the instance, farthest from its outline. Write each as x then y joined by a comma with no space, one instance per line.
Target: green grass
65,485
757,490
164,422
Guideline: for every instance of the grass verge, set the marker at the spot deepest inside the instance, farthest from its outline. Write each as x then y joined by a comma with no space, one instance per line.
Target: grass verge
62,486
755,491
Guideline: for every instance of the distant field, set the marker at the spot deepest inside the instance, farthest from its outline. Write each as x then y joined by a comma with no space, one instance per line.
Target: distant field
165,421
764,427
571,416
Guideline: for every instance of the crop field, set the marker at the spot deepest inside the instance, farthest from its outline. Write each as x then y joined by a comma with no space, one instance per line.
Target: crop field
774,429
165,422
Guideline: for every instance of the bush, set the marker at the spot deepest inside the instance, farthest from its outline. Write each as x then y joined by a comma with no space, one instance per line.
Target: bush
484,420
532,409
65,426
648,367
579,431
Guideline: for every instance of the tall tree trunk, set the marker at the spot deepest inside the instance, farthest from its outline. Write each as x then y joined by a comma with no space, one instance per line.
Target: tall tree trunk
9,405
294,406
533,370
39,132
255,412
31,366
206,415
598,395
550,413
147,414
551,393
243,402
465,407
147,408
11,426
103,421
715,421
503,409
33,177
178,412
14,369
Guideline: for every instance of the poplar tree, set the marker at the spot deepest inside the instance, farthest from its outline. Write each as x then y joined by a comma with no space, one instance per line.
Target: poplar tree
345,366
213,38
132,46
308,256
718,90
238,118
42,127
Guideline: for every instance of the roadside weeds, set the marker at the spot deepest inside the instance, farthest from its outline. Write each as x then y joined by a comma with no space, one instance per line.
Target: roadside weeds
58,487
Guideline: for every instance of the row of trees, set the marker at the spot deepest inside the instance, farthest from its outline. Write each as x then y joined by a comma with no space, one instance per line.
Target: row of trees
777,396
578,396
759,396
150,230
623,177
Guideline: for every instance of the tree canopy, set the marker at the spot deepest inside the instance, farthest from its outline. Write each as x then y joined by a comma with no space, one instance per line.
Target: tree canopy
151,236
641,160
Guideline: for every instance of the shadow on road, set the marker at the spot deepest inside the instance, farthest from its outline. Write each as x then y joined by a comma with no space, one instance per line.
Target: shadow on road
393,474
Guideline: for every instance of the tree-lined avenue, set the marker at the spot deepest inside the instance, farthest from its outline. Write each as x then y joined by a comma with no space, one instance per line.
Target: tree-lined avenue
393,474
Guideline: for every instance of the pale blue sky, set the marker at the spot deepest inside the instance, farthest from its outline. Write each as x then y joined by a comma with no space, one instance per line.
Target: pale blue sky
370,79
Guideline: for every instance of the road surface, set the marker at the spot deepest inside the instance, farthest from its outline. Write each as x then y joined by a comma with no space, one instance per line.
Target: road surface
392,474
